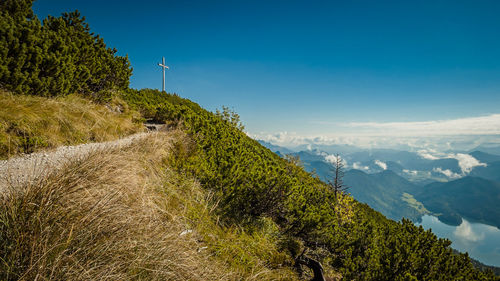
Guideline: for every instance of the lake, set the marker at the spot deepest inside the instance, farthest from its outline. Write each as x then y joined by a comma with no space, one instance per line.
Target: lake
481,241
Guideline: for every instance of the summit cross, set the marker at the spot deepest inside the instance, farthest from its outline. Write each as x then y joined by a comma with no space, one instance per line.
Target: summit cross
163,66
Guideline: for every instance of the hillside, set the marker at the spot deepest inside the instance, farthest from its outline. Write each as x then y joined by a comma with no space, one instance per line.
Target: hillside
263,235
122,213
275,148
202,201
385,192
467,197
485,157
490,172
242,171
488,148
30,123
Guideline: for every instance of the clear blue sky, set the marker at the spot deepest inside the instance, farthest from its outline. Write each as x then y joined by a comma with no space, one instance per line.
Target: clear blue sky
308,66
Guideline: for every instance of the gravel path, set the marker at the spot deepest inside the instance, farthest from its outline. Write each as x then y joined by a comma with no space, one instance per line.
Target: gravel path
18,170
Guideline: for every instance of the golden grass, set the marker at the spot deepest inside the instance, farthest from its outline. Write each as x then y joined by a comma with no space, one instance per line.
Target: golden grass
30,123
125,215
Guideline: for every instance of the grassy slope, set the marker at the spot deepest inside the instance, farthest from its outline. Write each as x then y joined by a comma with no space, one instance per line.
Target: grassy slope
120,215
29,123
246,177
117,216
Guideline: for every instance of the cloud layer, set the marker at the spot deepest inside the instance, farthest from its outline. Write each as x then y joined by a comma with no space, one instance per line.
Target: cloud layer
448,173
381,164
483,125
466,162
461,134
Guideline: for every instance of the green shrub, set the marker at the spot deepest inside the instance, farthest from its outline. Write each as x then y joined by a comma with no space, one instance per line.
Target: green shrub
57,57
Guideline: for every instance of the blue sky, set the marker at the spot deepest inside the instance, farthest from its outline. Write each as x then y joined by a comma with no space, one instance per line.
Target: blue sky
315,68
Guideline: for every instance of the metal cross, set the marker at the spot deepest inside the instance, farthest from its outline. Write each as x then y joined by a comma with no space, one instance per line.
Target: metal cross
163,66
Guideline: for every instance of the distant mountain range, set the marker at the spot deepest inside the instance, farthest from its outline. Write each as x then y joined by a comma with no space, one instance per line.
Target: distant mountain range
474,198
491,172
386,192
485,157
491,149
404,184
275,148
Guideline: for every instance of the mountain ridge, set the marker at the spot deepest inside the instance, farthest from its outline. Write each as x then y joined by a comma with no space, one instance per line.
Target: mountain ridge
205,203
471,197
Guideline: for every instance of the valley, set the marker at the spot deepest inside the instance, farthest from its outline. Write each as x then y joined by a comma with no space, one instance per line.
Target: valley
403,184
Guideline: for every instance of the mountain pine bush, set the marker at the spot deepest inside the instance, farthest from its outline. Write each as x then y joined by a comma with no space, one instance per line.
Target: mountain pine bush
56,56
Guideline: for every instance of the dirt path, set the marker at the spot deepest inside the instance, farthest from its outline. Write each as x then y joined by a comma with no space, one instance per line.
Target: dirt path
18,170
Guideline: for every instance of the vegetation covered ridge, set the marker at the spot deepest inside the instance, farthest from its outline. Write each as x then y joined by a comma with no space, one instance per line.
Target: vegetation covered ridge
252,183
58,56
125,214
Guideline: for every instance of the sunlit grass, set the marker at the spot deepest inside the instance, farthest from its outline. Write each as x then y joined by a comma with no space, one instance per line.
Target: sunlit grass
126,215
30,123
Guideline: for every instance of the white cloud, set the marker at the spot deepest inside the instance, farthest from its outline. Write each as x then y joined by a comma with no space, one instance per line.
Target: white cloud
464,231
331,158
321,153
358,166
450,174
466,162
456,134
483,125
425,153
381,164
281,138
362,140
410,172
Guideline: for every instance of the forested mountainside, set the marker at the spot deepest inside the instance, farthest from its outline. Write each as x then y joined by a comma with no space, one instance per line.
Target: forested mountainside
469,197
396,193
251,189
253,182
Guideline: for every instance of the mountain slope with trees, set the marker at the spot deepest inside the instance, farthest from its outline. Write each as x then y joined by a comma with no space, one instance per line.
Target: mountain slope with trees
254,182
384,192
275,208
470,197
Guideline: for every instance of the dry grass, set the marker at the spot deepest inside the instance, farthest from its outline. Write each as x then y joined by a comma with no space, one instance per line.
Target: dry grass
120,215
30,123
250,254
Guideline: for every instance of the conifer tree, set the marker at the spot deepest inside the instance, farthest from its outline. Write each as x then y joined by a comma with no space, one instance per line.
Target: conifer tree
337,185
